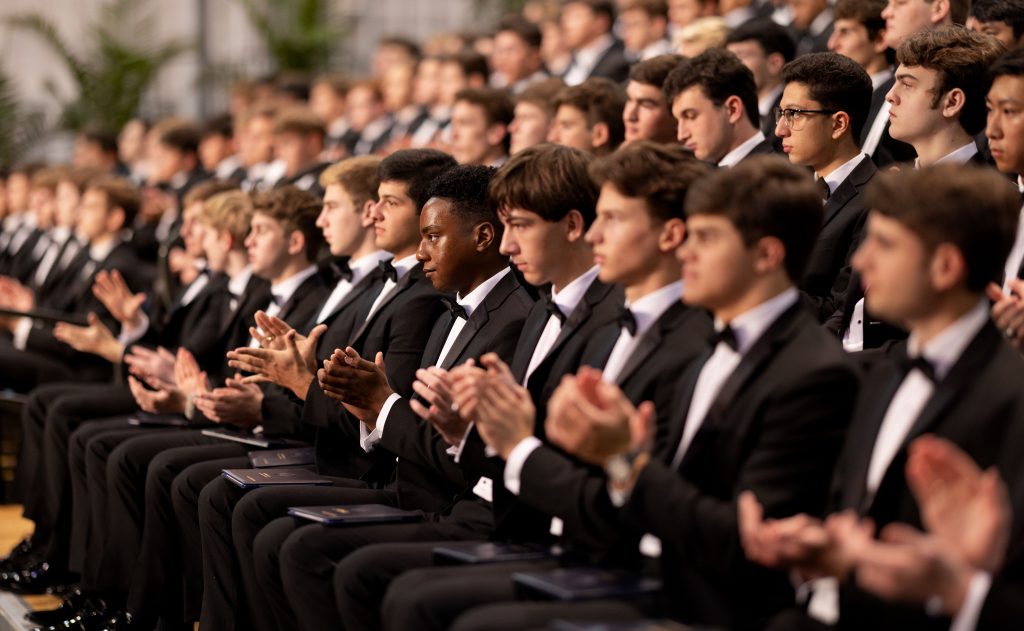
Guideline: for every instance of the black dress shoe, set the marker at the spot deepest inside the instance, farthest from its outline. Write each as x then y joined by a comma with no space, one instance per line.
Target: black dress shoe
98,619
75,604
35,579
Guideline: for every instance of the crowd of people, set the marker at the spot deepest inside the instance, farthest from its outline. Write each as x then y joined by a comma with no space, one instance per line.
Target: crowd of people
636,314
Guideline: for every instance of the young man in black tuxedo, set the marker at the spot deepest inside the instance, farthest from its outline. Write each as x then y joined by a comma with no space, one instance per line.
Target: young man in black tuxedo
647,115
926,259
282,243
636,236
34,355
714,100
764,408
587,27
298,143
397,323
823,107
764,47
938,106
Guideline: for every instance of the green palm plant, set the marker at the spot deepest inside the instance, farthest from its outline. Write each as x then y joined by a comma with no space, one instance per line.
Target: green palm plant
112,74
300,35
20,127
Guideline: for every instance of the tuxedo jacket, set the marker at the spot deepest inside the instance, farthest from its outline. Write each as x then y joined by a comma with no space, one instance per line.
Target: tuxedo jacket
560,486
889,150
22,264
427,477
600,305
400,329
613,64
828,270
307,180
774,428
765,147
193,325
979,406
877,333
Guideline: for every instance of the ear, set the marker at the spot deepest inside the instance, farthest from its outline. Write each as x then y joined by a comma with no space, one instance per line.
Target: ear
840,124
948,267
879,46
769,255
296,243
940,11
483,236
599,135
496,134
673,233
575,227
953,103
734,109
365,213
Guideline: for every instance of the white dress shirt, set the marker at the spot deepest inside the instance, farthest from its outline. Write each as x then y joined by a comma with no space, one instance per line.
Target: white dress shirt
282,293
733,158
585,60
360,268
839,175
367,438
646,311
402,268
1016,257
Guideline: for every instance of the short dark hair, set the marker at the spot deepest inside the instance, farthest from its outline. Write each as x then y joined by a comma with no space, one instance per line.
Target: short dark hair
410,47
300,120
961,58
104,138
295,209
417,169
182,138
653,8
465,187
655,70
549,180
219,125
602,100
523,29
765,196
772,37
1009,11
207,189
973,208
835,81
604,8
660,174
471,62
866,12
120,192
1009,65
497,106
720,74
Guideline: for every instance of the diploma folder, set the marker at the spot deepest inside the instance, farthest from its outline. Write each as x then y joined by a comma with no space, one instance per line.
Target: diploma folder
355,514
297,457
282,476
481,553
244,437
585,583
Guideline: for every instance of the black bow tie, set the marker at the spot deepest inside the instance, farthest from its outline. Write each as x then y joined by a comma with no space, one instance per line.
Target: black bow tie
627,320
553,309
920,363
341,270
277,299
726,336
388,271
457,310
826,192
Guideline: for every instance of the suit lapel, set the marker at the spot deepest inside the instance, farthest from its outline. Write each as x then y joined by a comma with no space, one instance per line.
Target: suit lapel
415,274
668,442
848,189
361,287
650,342
862,437
594,295
497,296
532,330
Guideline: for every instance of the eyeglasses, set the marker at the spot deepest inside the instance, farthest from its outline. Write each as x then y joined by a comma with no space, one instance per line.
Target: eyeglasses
795,118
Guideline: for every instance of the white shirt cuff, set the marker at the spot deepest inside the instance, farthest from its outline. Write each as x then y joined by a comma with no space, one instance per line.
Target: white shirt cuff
21,333
516,459
369,439
977,592
130,335
455,451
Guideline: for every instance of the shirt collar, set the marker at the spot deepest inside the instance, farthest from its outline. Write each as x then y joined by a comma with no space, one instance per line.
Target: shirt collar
879,78
767,102
943,350
475,298
283,290
657,47
821,22
732,158
571,294
366,264
838,176
648,309
100,252
403,266
60,234
376,128
240,281
587,56
960,156
750,325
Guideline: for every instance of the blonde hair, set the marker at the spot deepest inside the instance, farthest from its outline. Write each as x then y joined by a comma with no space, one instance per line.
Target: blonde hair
229,212
700,35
